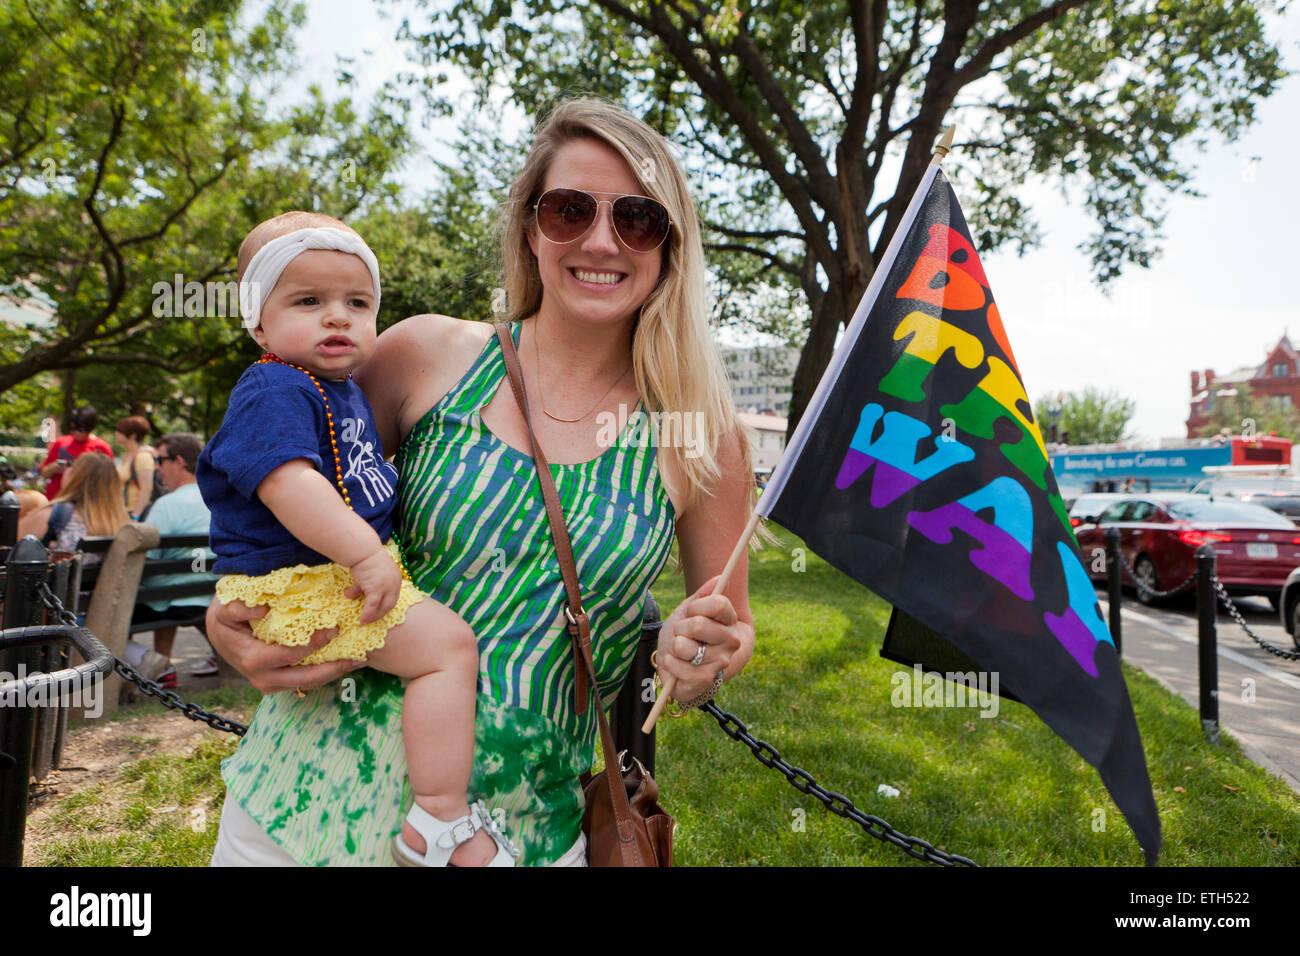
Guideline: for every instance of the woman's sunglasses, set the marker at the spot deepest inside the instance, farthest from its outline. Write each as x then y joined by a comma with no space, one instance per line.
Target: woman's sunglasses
566,215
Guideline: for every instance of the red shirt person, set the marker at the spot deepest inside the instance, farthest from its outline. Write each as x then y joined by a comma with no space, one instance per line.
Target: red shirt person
67,448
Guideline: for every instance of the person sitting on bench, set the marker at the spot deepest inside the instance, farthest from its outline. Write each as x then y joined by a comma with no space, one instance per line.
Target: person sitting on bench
180,511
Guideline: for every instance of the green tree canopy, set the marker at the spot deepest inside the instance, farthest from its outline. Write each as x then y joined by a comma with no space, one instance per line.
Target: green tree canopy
137,145
806,127
1086,417
440,254
1239,411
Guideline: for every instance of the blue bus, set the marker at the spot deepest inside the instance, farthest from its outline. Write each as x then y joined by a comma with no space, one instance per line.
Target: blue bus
1114,468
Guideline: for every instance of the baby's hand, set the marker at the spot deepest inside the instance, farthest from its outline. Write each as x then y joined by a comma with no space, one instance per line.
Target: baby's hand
378,578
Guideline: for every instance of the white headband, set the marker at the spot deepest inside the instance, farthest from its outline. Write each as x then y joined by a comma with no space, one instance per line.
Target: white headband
272,259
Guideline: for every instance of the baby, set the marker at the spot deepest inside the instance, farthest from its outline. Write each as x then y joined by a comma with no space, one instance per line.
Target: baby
302,504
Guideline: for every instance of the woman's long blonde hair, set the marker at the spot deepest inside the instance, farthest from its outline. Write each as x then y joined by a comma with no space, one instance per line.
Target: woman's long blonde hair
676,363
94,488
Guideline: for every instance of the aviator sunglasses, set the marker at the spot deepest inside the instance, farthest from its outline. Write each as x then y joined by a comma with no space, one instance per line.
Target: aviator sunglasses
566,215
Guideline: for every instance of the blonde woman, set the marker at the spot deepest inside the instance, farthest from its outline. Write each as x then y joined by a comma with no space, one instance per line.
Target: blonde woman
604,277
89,504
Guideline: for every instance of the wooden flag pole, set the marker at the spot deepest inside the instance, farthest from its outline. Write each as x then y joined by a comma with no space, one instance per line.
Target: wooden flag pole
944,146
669,680
941,149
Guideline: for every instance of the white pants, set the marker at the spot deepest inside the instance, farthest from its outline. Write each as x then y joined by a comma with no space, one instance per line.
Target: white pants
241,842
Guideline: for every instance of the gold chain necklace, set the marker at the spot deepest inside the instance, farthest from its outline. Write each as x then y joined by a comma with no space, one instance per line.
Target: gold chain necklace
542,398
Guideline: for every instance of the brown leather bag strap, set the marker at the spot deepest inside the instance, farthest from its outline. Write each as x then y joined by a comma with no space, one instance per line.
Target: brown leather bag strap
579,626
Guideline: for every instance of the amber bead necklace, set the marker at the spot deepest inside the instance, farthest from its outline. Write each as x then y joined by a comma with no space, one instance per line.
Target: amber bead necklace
329,420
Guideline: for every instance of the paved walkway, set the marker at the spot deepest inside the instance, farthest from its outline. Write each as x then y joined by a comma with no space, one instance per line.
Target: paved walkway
1259,694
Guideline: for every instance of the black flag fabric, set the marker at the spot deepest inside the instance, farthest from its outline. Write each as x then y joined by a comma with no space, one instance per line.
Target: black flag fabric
919,470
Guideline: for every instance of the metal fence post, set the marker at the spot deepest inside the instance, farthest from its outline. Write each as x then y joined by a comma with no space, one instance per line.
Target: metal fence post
51,720
1207,610
9,512
632,707
26,567
1115,588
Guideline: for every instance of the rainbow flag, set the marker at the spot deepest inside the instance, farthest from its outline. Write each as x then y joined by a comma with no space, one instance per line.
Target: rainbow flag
919,470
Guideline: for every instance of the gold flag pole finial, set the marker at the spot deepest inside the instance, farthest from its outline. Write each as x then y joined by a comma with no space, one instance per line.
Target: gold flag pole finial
942,148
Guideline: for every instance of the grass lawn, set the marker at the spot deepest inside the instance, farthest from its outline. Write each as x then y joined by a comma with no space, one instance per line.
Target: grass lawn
1002,790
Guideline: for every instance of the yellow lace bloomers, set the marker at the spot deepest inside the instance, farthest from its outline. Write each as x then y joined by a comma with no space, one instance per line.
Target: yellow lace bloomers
304,599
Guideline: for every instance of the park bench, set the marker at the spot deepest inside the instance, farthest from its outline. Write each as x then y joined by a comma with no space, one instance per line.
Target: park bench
115,588
202,585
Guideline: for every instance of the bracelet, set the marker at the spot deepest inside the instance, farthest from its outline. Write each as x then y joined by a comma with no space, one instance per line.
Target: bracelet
696,701
708,695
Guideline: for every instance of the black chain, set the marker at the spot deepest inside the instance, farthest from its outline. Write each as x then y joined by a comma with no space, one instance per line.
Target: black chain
1152,592
1227,602
836,803
1236,616
167,698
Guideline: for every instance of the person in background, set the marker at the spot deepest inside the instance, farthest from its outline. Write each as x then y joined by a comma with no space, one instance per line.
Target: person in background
180,511
89,504
29,499
137,466
66,449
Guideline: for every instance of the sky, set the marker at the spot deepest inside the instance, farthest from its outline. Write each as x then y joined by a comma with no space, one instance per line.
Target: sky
1219,297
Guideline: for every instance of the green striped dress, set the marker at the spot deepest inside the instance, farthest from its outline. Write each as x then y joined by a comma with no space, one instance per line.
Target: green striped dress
326,774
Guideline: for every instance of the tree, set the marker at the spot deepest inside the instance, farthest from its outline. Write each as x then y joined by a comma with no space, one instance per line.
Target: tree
1085,418
1239,411
808,126
441,254
137,146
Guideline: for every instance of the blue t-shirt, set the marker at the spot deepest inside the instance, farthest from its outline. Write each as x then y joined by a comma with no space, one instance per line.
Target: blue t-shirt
276,415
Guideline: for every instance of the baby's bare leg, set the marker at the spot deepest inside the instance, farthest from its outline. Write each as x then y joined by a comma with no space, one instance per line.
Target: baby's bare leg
436,651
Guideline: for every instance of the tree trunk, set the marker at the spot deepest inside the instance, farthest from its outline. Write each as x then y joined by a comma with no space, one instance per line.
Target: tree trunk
828,316
69,376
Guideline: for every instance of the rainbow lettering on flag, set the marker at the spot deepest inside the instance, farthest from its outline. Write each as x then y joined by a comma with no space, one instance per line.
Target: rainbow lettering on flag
920,471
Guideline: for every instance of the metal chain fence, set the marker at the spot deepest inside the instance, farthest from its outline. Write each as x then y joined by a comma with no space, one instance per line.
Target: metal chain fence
1152,593
1222,593
836,803
1236,616
167,698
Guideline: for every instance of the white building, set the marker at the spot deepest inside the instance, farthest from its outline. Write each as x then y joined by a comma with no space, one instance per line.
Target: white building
761,377
768,439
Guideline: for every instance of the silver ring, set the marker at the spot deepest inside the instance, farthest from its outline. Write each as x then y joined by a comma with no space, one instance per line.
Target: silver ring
699,656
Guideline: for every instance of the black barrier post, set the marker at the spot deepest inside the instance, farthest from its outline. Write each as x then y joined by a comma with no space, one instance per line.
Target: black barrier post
631,708
9,512
26,567
1207,611
22,697
1114,587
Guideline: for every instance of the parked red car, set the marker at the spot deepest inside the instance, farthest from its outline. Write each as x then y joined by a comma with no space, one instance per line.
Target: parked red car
1158,536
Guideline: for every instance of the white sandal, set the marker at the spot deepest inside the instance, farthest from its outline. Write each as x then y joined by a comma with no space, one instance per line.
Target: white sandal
441,838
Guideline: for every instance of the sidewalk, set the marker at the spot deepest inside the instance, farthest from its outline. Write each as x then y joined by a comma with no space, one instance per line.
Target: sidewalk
1268,727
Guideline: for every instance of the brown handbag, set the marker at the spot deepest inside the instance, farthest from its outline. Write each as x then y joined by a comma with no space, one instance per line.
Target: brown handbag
623,822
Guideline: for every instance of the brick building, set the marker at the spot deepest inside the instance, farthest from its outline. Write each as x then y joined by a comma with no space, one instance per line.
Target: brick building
1276,380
